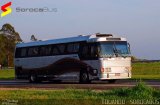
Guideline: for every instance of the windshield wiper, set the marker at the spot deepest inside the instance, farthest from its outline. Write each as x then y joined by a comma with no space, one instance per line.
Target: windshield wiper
116,52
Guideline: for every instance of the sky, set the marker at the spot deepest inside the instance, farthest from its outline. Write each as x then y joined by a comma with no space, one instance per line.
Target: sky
136,20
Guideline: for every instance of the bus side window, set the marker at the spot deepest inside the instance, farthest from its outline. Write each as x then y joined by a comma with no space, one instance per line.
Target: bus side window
23,52
94,51
45,50
33,51
73,48
85,52
55,51
18,53
61,48
48,50
89,52
42,51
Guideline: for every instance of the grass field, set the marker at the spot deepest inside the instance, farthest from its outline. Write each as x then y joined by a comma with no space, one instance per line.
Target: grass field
146,70
7,74
79,97
139,71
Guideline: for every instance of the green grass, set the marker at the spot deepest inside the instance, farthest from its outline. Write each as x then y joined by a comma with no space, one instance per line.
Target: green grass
146,70
139,71
146,77
79,97
7,74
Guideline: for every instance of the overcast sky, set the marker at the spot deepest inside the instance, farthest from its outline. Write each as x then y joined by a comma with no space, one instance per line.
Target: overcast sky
137,20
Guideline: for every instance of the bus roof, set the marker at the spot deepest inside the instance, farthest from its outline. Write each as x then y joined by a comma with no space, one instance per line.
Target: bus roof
69,39
53,41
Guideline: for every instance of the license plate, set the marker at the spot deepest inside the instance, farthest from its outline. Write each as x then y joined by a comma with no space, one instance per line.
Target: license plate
117,74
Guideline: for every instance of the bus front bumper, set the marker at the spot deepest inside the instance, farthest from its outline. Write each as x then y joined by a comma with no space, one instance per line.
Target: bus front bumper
110,76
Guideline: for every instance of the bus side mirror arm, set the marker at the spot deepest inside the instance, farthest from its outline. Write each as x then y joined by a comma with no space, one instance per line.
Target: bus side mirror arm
129,46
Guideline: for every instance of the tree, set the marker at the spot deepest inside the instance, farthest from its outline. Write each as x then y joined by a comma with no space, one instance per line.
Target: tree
8,39
133,58
2,51
10,33
33,38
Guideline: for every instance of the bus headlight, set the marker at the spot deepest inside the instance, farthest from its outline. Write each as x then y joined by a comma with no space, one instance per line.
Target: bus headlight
108,70
104,70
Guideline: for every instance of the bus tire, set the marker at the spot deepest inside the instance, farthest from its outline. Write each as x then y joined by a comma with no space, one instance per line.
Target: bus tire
84,77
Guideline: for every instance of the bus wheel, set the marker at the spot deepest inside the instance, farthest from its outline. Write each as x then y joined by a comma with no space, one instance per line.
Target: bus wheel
33,78
84,77
112,81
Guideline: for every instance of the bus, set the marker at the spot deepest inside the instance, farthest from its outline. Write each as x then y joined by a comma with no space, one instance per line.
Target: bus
83,58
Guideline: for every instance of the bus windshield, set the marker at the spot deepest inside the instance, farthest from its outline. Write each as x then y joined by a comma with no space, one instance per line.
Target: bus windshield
114,48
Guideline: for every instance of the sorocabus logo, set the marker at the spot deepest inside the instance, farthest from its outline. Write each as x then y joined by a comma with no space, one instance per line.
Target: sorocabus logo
6,9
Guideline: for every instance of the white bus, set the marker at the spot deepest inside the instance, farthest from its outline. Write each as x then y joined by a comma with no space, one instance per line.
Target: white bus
82,58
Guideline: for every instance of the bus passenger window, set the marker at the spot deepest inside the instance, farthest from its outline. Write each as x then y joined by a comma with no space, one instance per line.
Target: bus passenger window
61,48
55,51
94,52
42,51
45,51
85,52
23,52
89,52
73,48
33,51
18,53
48,50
